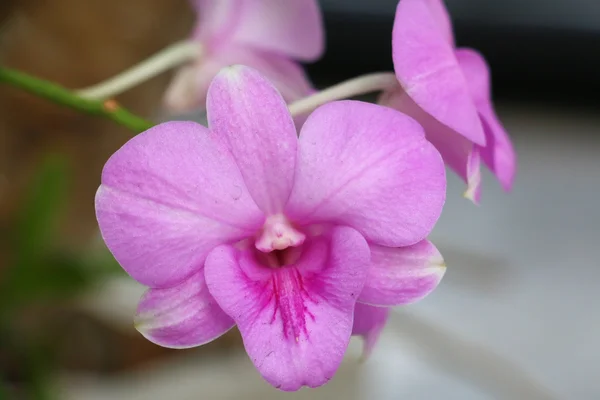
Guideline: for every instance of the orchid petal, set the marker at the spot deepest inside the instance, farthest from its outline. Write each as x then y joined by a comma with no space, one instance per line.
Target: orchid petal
428,71
369,321
216,20
498,153
182,94
286,75
442,19
181,316
251,117
459,153
290,28
168,197
368,167
295,320
473,177
402,275
189,88
477,72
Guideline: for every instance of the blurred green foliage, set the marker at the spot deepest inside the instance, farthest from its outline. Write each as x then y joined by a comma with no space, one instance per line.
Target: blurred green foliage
34,272
38,273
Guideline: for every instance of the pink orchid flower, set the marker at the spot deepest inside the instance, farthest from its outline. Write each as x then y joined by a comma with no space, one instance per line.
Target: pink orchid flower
448,91
243,223
268,35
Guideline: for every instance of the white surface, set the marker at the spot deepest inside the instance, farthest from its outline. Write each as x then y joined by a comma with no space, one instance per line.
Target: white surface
516,316
191,378
522,292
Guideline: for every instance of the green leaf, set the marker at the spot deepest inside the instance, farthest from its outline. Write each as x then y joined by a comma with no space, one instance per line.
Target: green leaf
35,363
38,273
37,218
31,238
56,278
102,263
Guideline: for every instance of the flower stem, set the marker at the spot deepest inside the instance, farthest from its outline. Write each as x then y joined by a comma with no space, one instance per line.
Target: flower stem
51,91
162,61
353,87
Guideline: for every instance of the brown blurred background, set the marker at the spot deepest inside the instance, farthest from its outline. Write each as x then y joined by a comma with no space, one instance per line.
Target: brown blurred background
75,43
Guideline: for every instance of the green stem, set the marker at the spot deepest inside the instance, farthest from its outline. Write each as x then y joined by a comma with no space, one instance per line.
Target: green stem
51,91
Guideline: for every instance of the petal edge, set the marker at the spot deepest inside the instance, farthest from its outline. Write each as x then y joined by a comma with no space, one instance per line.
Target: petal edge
181,317
402,275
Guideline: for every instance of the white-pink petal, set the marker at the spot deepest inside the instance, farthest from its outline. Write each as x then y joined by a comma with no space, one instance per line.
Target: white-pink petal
498,153
184,92
249,115
442,18
293,28
458,152
189,88
168,197
402,275
368,167
428,71
182,316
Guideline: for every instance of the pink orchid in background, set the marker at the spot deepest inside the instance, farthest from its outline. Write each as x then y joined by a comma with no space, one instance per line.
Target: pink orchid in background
448,91
246,224
268,35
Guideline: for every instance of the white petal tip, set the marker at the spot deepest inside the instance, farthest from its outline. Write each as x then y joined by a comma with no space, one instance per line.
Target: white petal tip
472,195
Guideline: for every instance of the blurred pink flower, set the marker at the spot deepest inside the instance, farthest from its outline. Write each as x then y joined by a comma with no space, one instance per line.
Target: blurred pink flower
268,35
243,223
448,91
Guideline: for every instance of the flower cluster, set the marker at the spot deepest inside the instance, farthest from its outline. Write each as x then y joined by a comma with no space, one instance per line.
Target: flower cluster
448,91
299,239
